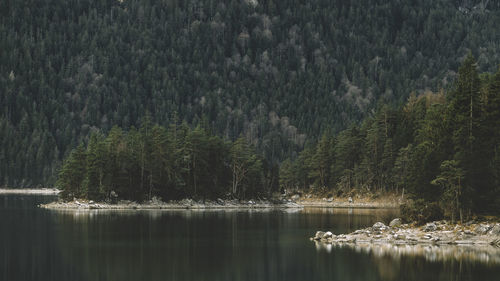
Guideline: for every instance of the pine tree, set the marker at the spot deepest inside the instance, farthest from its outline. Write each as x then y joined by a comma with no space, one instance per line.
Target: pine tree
451,179
244,164
96,168
73,173
464,110
322,162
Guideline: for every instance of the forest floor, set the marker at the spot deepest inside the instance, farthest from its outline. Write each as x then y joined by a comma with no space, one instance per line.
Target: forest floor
360,200
28,191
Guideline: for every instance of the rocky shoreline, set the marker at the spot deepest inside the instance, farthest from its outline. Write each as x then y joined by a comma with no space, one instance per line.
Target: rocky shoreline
359,205
171,205
29,191
433,233
79,204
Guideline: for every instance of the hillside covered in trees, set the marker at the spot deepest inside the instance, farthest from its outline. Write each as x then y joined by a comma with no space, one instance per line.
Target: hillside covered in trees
442,148
278,73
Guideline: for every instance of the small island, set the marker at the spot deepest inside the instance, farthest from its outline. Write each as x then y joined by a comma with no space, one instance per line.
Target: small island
437,232
434,241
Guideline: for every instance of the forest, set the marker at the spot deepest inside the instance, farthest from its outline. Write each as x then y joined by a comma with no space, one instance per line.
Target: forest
279,74
168,163
442,148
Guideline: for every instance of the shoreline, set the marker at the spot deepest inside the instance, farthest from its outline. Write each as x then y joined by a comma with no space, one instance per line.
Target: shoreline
315,202
82,204
365,205
386,201
185,204
30,191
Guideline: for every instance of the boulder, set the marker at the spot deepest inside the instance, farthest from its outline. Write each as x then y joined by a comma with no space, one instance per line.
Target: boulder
319,235
468,232
220,201
399,237
495,230
327,235
350,200
495,242
379,226
430,227
395,222
482,229
296,197
155,200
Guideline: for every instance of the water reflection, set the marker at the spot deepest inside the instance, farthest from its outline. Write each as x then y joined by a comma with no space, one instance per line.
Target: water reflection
81,215
434,253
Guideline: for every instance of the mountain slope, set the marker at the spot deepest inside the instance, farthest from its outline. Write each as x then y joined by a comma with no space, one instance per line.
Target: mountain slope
278,72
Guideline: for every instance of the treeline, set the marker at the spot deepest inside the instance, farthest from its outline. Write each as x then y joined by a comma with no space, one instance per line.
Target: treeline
441,148
170,163
277,72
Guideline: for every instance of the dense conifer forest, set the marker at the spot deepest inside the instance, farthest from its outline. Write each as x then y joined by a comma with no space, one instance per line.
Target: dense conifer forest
277,73
443,148
170,163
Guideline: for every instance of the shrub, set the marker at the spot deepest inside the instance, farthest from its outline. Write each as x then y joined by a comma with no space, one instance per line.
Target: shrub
421,211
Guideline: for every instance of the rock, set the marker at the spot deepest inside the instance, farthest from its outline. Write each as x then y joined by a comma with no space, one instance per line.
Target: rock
395,222
251,202
296,197
399,237
435,239
495,242
113,194
350,200
329,199
379,226
469,223
430,227
482,229
155,200
319,235
495,230
468,232
327,235
186,201
220,201
91,202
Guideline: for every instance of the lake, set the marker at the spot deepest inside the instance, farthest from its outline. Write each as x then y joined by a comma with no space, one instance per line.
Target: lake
39,244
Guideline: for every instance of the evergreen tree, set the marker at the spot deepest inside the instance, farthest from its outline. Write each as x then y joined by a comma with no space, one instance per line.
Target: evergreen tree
451,179
244,166
73,173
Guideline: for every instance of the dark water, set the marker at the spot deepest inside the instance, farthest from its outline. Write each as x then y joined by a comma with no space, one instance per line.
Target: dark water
37,244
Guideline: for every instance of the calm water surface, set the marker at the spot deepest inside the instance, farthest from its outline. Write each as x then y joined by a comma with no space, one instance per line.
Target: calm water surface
37,244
